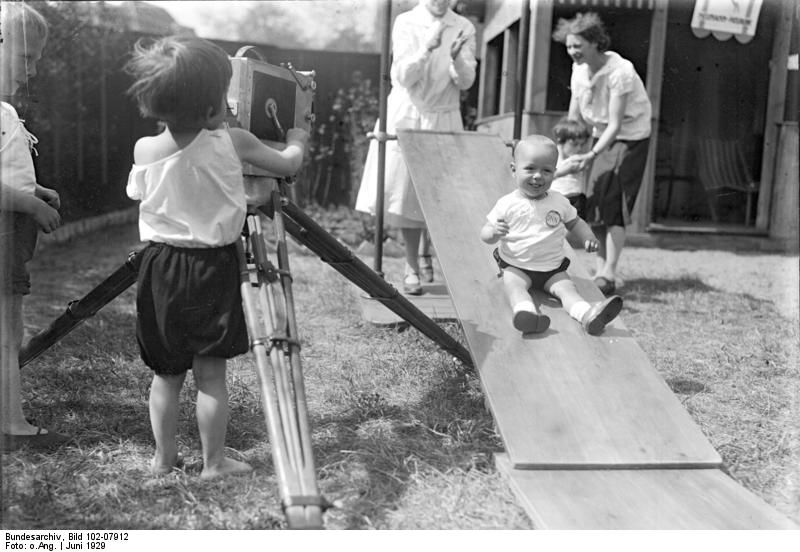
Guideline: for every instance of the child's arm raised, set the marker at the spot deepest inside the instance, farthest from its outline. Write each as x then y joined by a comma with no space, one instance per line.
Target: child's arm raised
285,162
579,227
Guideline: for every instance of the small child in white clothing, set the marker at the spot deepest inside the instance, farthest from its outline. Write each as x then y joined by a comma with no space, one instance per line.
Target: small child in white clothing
189,181
531,224
572,138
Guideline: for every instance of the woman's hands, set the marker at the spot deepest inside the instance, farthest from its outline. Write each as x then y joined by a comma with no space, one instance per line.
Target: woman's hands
435,40
455,47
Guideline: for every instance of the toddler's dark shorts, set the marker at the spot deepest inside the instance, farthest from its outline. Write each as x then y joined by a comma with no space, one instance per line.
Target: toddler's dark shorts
538,279
188,303
18,235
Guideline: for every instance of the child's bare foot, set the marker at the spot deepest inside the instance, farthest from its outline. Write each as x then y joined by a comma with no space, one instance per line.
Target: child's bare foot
228,466
157,467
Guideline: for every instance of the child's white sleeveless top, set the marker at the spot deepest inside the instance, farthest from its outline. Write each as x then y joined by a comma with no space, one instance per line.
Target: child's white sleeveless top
16,144
194,197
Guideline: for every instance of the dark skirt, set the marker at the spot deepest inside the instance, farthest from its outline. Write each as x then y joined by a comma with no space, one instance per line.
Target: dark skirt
614,182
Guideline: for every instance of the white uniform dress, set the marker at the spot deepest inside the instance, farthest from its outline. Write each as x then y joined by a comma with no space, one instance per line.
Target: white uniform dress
425,94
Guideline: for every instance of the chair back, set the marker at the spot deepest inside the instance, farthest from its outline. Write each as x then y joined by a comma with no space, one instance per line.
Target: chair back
722,164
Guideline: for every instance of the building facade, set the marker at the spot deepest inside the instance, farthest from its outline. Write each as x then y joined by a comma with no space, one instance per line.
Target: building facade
724,148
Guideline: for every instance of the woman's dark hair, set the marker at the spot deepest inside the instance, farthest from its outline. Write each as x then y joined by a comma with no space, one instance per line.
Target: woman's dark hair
588,26
178,78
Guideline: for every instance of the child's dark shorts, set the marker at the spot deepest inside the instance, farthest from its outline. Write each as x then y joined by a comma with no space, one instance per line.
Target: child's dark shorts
188,303
18,235
538,279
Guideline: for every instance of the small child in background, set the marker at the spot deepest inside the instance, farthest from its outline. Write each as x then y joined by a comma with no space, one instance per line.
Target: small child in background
531,224
25,208
192,209
572,138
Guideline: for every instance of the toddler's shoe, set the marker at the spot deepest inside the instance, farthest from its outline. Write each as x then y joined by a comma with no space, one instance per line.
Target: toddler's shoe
426,268
600,314
531,322
411,284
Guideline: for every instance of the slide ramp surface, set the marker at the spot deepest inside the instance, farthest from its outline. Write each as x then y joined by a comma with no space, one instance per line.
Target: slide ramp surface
567,405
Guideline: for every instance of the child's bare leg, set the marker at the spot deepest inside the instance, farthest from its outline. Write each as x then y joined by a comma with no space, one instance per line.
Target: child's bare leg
212,417
164,401
527,318
11,331
593,317
562,286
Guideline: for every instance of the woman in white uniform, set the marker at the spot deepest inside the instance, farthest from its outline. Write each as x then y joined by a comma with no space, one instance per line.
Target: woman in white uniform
433,61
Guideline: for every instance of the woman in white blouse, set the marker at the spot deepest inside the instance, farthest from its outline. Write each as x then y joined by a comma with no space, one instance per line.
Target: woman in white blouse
433,61
609,96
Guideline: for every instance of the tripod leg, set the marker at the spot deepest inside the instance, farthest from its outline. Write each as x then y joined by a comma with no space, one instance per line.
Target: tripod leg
308,479
266,308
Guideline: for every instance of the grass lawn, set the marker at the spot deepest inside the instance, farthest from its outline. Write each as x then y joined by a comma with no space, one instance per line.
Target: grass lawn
401,437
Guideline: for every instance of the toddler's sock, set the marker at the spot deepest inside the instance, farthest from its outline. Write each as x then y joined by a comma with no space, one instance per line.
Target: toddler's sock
579,309
524,306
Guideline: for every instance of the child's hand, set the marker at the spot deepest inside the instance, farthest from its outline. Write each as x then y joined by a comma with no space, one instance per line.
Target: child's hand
591,245
570,165
500,228
297,135
49,196
45,216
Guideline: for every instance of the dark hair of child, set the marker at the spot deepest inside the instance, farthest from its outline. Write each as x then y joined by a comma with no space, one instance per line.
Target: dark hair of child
177,79
570,129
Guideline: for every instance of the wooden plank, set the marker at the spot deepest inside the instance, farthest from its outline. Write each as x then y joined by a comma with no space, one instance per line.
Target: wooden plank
434,302
639,499
561,398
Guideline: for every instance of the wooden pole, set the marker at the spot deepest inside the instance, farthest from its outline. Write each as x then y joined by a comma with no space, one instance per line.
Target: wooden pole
383,93
522,68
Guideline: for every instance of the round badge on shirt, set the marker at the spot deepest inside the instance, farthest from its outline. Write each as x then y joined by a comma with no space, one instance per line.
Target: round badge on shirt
552,219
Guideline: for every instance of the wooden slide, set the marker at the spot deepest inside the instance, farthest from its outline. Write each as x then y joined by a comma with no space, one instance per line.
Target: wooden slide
594,438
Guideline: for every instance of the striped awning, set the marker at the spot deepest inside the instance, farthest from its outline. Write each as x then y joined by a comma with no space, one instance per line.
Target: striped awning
726,18
632,4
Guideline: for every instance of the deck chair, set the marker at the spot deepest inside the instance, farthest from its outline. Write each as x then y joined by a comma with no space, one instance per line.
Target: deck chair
722,167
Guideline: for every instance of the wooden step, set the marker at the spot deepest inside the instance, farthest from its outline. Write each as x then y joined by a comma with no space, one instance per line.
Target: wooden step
638,499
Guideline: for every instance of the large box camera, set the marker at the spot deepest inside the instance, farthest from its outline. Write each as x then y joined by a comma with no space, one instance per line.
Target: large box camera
268,100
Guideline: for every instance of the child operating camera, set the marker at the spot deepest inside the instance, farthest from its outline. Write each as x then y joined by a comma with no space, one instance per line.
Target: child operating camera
531,224
192,208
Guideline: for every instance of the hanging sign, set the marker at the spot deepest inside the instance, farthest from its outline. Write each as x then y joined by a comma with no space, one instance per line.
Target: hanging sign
726,18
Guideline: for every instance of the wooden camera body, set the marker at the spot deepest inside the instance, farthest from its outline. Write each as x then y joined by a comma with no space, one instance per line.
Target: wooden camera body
260,92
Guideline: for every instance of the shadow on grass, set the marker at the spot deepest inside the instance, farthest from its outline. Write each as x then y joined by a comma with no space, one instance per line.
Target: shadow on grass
374,452
652,290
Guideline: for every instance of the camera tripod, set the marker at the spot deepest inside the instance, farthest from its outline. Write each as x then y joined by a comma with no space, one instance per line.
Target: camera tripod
274,341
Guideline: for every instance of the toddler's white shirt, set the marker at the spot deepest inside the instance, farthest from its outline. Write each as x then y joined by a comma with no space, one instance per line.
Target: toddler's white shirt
16,144
573,183
194,197
535,240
